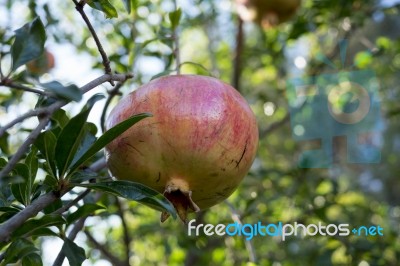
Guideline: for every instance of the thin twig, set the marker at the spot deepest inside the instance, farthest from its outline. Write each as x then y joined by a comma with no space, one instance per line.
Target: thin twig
13,85
24,147
106,62
175,37
80,223
237,60
67,206
248,243
104,250
21,118
275,126
96,166
8,227
72,235
127,238
111,94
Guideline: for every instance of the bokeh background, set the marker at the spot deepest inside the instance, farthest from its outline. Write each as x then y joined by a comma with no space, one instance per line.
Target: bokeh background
258,61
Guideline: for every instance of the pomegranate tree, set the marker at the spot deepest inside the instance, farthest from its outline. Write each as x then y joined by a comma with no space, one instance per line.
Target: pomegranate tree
197,147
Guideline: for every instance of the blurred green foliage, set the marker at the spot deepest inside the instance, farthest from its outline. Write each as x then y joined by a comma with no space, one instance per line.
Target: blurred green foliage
276,189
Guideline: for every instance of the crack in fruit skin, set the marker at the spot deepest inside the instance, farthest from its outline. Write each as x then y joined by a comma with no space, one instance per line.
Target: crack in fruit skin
200,126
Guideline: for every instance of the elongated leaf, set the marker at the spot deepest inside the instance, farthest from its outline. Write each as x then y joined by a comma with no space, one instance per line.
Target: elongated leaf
84,175
33,259
88,140
71,137
70,92
134,191
29,43
43,232
164,73
17,250
74,253
128,6
46,143
175,17
4,145
60,118
83,211
105,7
32,162
34,224
21,191
107,137
53,207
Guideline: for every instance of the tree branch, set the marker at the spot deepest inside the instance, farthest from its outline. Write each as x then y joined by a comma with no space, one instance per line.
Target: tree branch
72,235
111,94
50,110
275,126
24,147
8,227
13,85
127,238
104,250
248,243
237,62
106,62
73,202
21,118
175,38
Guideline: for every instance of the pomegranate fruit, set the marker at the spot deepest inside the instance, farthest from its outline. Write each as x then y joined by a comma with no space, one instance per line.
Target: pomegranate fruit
41,65
267,13
197,147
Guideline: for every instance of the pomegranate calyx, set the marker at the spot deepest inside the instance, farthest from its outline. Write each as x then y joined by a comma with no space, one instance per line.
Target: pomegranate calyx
182,201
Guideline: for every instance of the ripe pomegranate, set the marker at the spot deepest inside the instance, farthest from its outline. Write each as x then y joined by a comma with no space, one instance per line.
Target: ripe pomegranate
267,13
197,147
41,65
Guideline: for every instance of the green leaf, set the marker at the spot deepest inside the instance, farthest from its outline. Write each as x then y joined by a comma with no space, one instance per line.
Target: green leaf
175,17
43,232
22,191
74,253
17,250
164,73
128,6
4,147
29,43
134,191
71,137
105,7
50,182
84,211
33,224
69,93
46,143
33,165
7,213
84,175
87,142
198,66
107,137
9,209
60,117
53,207
33,259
